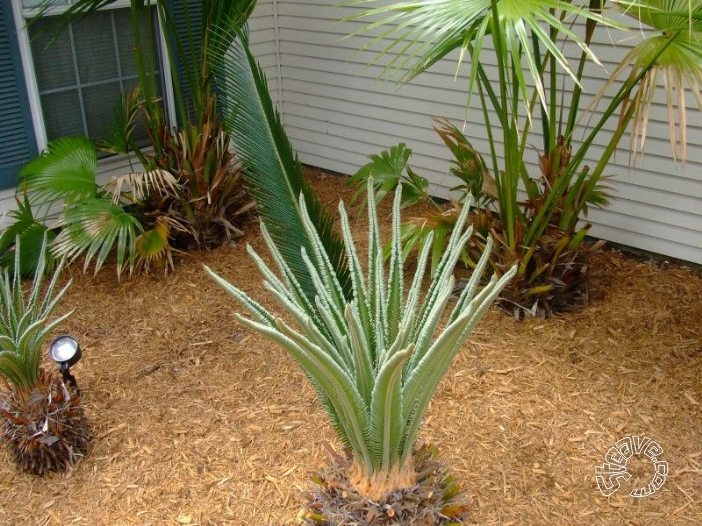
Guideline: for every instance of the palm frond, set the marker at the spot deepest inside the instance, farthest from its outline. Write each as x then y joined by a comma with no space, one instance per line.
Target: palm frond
229,16
672,58
66,170
271,169
93,228
425,31
386,170
468,164
153,246
31,233
75,12
139,185
25,319
431,230
120,136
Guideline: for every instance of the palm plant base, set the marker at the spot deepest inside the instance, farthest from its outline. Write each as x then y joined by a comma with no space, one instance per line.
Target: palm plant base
432,500
553,275
562,288
45,430
382,481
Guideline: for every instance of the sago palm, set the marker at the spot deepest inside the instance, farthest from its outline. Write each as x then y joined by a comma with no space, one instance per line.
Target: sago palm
376,358
271,168
536,89
42,419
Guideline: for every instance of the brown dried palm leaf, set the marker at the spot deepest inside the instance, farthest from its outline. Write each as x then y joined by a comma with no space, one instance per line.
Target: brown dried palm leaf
671,57
140,185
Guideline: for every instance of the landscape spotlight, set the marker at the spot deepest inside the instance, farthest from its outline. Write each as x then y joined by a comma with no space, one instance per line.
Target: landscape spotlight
65,351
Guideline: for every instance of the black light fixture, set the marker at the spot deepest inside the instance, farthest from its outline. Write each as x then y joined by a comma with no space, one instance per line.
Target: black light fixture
65,351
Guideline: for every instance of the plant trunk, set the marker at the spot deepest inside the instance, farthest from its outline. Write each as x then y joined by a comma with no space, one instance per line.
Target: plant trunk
45,429
379,482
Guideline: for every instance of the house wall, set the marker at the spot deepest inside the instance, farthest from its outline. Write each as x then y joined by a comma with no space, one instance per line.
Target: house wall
337,112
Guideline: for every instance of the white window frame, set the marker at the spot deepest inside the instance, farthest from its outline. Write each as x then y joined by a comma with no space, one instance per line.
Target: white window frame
21,15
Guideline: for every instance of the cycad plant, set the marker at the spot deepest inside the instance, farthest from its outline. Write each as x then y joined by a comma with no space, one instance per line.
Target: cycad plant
272,169
375,359
534,93
42,418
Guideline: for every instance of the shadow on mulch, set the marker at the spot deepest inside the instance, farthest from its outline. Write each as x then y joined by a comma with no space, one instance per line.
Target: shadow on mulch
198,421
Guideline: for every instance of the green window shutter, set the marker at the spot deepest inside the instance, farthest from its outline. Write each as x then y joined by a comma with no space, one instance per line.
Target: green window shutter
187,19
17,141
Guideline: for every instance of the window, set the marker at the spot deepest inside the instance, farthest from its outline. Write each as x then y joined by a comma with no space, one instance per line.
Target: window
82,73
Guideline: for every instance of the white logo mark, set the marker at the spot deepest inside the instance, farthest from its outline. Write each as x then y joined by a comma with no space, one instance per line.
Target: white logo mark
610,474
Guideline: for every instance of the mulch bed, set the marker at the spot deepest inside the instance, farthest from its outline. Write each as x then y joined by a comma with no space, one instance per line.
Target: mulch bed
198,421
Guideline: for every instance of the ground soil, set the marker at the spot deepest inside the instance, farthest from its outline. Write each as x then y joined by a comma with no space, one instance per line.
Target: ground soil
198,421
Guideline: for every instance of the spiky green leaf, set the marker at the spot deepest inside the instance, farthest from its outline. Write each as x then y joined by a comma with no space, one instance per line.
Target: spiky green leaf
272,170
363,357
25,320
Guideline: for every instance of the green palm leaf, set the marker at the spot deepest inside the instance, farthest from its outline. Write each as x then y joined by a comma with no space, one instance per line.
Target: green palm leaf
271,169
425,31
387,170
671,58
66,170
153,246
93,228
31,233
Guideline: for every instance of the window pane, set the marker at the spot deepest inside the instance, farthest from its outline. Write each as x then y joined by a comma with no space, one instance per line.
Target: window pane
28,4
140,134
53,61
95,48
64,109
125,41
100,115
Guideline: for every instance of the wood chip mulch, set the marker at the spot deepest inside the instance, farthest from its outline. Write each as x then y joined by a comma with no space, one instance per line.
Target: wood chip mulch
197,421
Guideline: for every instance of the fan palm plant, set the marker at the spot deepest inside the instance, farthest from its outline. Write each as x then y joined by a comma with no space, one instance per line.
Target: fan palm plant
536,83
376,358
32,234
43,423
96,221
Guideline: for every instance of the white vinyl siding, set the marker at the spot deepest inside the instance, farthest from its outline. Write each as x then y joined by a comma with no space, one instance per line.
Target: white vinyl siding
337,112
264,44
